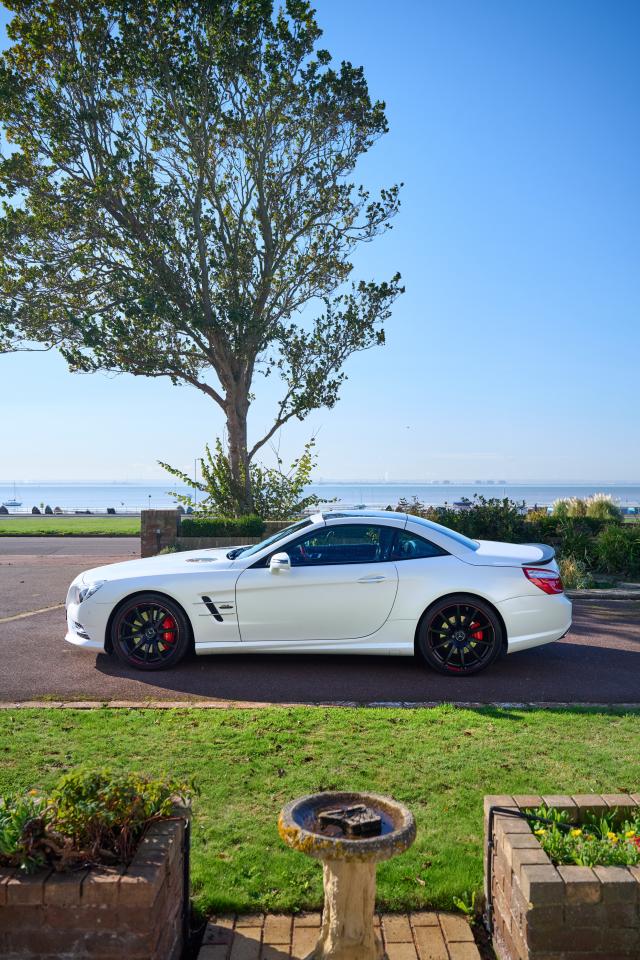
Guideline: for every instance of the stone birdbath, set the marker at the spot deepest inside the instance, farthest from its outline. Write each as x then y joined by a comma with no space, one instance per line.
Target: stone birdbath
350,833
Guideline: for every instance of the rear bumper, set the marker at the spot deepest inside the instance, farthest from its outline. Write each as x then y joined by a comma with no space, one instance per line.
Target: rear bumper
532,621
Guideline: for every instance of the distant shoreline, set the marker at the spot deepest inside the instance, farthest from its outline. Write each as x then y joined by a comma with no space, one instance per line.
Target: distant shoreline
129,499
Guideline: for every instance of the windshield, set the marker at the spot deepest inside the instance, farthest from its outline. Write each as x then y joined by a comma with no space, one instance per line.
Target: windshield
447,531
257,547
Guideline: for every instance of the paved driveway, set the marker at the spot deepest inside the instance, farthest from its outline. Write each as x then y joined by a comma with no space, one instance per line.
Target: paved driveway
598,662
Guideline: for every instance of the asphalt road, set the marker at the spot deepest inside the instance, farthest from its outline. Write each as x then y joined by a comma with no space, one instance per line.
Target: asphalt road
598,662
36,572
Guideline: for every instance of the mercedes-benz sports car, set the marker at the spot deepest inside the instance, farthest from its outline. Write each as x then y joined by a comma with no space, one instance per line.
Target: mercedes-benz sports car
349,582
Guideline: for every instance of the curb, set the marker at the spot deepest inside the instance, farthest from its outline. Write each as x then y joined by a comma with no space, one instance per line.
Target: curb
613,594
248,705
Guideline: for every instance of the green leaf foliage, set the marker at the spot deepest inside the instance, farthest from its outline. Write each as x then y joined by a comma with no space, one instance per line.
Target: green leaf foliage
589,543
205,526
178,199
277,493
88,817
606,841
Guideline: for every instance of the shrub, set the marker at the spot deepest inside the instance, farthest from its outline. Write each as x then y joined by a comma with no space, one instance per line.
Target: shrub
601,507
21,830
569,507
276,492
617,550
89,817
414,506
575,538
574,573
585,539
556,528
482,518
195,526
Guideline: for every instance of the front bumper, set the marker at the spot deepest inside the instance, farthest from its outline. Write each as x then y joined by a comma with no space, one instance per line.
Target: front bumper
532,621
78,632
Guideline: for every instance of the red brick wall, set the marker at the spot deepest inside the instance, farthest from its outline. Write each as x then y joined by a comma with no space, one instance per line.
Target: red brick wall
99,913
566,913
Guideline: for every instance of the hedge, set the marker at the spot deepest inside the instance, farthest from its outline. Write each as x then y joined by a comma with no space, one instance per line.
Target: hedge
606,546
600,545
250,526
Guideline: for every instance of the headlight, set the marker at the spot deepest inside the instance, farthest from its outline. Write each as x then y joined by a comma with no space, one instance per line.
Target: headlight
78,593
89,590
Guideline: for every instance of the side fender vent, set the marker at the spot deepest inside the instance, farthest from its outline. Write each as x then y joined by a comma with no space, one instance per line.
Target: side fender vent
213,610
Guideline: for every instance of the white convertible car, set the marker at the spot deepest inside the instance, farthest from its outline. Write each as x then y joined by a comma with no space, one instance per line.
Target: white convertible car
349,582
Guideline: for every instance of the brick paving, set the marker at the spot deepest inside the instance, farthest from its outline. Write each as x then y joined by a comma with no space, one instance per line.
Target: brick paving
406,936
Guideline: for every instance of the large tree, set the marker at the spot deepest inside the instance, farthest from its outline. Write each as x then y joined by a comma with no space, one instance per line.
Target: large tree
179,200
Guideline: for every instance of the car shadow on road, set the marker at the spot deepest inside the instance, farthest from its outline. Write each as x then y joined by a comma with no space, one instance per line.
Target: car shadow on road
560,672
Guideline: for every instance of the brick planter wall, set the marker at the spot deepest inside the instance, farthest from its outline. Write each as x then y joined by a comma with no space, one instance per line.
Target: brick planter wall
104,913
542,912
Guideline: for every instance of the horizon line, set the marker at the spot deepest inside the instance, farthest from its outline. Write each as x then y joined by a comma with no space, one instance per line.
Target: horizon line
158,481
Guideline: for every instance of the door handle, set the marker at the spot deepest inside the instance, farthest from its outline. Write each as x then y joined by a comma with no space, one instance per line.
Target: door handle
370,579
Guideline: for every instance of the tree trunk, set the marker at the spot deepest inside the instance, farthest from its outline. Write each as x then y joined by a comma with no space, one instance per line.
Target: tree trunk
236,410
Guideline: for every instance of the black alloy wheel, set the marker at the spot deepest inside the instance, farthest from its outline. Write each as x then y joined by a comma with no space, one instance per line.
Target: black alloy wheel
149,632
460,636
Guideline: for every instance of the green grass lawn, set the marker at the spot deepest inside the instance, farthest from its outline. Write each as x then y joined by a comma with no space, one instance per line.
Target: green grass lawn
70,526
248,763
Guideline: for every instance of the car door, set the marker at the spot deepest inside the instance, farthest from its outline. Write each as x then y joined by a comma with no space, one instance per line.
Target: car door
341,586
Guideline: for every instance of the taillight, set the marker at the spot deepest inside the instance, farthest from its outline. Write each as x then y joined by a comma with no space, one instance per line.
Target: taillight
546,580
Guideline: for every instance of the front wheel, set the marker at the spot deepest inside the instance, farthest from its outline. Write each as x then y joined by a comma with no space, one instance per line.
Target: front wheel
460,636
150,632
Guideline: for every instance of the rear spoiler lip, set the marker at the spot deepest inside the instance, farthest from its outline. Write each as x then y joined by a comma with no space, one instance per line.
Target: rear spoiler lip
548,554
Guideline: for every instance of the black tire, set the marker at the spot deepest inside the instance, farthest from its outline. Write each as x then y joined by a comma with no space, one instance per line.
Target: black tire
460,635
150,632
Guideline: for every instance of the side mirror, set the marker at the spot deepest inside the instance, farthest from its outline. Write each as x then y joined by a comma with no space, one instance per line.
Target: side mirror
280,563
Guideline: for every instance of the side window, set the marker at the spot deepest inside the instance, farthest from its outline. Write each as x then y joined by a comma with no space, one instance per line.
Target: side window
409,546
342,543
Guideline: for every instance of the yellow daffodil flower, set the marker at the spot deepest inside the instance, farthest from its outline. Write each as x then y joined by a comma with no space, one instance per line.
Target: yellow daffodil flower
630,834
540,832
576,833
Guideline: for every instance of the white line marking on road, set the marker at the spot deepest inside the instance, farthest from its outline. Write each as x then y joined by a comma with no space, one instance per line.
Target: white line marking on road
31,613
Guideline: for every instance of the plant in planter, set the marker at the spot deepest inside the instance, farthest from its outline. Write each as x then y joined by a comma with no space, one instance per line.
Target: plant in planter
88,818
563,876
600,841
95,867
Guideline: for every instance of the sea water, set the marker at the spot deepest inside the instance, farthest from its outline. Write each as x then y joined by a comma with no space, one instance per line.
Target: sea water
135,496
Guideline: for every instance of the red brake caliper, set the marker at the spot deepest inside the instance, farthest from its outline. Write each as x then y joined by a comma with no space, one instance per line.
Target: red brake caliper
478,634
168,625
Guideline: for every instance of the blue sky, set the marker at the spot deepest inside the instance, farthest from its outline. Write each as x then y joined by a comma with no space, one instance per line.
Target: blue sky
515,351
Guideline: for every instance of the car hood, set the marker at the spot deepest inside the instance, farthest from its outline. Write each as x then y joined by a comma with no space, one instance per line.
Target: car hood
493,553
168,563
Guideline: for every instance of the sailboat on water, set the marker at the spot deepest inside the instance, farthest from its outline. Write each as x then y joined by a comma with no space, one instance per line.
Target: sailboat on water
14,502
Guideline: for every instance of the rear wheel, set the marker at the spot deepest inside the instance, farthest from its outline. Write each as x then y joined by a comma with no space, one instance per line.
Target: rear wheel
460,636
150,632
